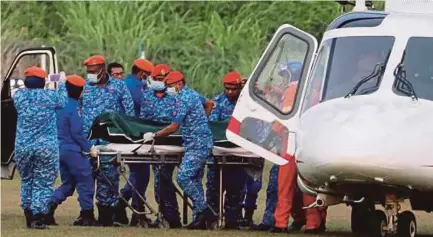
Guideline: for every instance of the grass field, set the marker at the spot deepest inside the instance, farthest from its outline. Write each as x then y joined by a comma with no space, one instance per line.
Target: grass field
13,222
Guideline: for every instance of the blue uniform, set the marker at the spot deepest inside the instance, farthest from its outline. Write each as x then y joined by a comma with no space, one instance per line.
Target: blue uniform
197,141
233,176
75,170
112,97
36,145
271,197
136,88
160,109
139,173
252,186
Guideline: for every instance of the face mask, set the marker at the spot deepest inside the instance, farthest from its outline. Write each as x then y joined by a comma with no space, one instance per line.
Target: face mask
155,85
171,91
93,77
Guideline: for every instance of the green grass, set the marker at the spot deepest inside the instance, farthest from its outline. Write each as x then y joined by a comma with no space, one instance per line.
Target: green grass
13,222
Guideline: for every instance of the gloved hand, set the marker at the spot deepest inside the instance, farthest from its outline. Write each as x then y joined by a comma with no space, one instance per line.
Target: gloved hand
148,137
62,77
93,151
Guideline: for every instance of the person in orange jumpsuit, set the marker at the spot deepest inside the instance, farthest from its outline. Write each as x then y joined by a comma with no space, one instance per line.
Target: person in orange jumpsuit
315,217
290,204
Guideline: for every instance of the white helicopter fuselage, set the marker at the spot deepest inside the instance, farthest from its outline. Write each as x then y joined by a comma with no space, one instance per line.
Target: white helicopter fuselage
382,138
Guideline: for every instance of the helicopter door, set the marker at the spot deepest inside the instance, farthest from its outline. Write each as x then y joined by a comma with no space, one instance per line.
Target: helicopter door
265,114
12,81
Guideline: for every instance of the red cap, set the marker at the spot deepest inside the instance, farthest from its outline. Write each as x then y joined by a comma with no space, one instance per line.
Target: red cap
76,80
35,72
160,70
94,60
144,65
173,77
233,78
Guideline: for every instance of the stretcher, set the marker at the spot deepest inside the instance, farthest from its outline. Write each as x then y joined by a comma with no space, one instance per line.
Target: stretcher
127,148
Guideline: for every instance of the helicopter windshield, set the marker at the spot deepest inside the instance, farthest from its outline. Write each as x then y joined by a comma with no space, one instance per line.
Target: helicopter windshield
418,67
342,63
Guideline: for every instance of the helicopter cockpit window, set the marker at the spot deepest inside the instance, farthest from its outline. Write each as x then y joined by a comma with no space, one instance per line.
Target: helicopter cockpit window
314,87
350,60
277,83
418,67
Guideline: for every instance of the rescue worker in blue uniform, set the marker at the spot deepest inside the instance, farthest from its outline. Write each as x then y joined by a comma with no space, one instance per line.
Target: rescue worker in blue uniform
139,173
250,193
104,94
75,169
268,220
232,176
190,116
36,144
158,106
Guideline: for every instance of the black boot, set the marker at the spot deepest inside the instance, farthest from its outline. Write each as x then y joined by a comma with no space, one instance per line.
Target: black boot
29,216
278,230
105,215
38,222
318,230
247,221
199,223
86,218
296,226
231,226
49,218
120,213
261,227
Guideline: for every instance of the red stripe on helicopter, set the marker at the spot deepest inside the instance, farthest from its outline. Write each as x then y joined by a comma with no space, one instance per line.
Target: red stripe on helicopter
234,126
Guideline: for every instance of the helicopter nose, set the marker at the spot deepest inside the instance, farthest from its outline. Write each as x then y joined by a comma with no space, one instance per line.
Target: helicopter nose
364,130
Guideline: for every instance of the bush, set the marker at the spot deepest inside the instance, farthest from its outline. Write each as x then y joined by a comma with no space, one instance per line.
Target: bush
204,40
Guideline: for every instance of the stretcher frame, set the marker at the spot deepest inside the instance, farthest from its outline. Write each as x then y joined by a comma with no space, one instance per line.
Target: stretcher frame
152,158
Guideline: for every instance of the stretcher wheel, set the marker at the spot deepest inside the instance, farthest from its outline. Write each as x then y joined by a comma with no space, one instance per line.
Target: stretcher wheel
163,224
213,225
121,169
143,224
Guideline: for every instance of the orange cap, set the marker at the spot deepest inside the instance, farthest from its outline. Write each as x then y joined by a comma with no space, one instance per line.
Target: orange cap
232,78
35,72
144,64
173,77
76,80
94,60
160,70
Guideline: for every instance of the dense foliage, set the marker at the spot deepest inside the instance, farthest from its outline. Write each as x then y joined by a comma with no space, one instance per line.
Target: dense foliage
202,39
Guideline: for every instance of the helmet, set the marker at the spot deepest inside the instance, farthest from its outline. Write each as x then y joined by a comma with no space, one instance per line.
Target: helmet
290,70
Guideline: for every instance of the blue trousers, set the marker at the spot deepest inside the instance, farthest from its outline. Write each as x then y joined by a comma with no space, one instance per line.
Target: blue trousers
38,167
250,192
271,197
106,194
190,177
167,200
75,172
139,177
233,184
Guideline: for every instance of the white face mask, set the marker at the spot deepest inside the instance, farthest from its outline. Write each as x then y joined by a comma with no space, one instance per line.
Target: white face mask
171,91
155,85
93,77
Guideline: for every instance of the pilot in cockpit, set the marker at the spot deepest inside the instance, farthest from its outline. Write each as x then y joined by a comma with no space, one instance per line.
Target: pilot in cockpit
362,67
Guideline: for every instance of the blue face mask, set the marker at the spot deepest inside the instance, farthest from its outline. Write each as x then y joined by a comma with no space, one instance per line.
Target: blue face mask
155,85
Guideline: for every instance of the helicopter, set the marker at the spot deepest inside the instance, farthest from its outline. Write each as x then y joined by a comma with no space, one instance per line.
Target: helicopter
358,126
